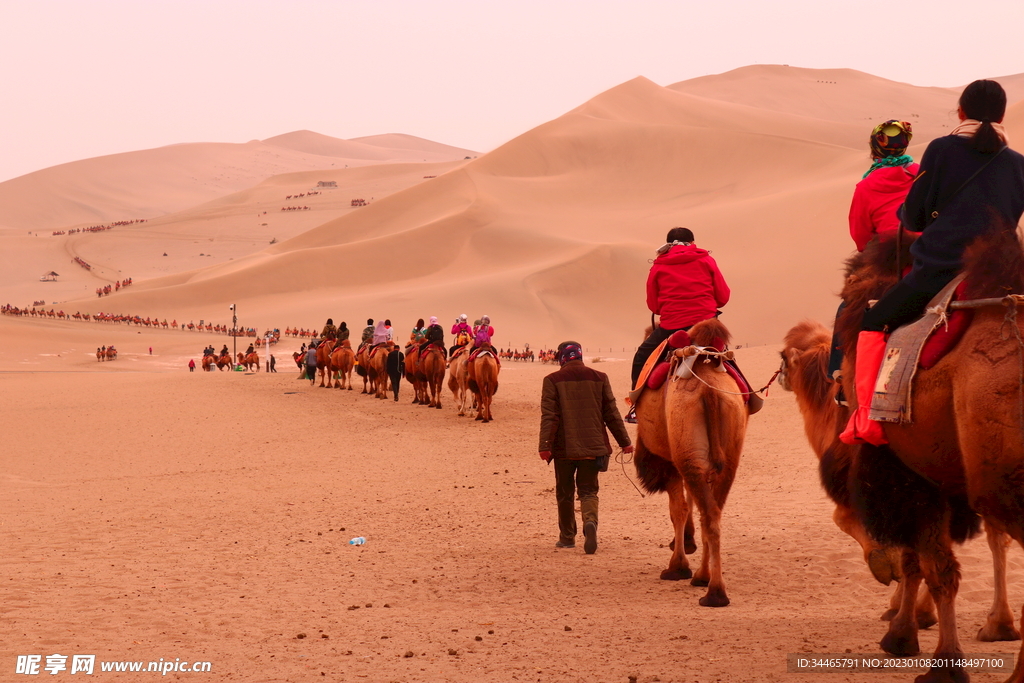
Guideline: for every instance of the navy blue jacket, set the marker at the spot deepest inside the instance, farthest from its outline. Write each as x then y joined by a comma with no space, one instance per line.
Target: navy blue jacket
996,194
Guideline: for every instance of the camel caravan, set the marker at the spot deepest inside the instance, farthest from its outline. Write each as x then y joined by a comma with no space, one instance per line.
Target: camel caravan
106,353
381,363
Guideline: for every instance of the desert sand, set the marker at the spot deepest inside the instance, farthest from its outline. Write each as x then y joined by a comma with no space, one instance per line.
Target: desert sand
154,513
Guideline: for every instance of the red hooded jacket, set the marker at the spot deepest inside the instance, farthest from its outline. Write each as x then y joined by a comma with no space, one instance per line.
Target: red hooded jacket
875,201
685,287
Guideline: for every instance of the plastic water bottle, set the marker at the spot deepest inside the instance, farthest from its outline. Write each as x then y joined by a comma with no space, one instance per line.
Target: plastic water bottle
358,540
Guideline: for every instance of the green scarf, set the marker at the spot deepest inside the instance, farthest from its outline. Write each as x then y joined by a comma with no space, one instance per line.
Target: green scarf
901,160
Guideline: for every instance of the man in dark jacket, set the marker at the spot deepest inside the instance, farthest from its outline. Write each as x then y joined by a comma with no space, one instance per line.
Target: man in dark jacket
577,405
395,367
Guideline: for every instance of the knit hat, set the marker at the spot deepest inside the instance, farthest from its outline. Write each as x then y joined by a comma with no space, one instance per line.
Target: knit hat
569,350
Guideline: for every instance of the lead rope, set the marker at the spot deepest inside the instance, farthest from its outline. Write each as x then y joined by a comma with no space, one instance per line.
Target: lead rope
623,459
1011,320
763,389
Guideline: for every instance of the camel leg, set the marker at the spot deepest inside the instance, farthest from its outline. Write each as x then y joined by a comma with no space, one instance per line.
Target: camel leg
942,574
439,389
901,639
710,532
884,567
999,624
679,512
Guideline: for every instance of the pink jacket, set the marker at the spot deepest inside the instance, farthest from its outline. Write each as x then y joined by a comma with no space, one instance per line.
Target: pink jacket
685,287
875,201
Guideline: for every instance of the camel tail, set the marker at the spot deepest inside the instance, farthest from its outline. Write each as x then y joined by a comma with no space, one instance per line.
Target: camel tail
710,333
713,423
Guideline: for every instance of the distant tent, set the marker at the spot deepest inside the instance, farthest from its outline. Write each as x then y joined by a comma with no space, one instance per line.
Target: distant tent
49,277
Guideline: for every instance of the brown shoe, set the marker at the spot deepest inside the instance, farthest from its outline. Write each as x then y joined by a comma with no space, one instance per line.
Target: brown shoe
590,534
565,544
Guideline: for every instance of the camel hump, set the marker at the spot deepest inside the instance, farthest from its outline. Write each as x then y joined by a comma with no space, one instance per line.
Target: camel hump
710,333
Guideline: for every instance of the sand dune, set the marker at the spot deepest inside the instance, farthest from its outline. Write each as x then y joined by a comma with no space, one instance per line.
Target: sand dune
155,182
551,233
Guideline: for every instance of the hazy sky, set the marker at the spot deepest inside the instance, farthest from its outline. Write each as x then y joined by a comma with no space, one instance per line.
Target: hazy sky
84,78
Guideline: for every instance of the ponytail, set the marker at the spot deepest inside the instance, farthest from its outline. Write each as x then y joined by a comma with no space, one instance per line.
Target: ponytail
986,139
984,101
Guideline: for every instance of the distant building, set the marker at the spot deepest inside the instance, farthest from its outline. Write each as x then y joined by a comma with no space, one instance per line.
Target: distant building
328,183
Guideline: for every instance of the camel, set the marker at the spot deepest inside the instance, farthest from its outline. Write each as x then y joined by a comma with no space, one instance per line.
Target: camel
250,361
111,353
208,363
343,359
323,362
458,381
224,362
430,373
804,372
100,354
689,438
962,457
483,381
363,365
377,371
412,361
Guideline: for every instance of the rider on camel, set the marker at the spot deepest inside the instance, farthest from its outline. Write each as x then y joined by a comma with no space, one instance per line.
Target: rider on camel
875,201
950,209
368,331
343,332
462,333
224,351
482,336
684,287
419,333
434,335
250,350
381,335
329,331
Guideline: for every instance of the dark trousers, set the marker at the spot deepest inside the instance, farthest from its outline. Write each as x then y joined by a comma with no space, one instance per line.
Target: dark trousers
396,381
645,350
835,356
900,305
575,477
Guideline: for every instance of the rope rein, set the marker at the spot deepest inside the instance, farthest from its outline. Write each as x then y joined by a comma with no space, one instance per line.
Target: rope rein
728,354
624,459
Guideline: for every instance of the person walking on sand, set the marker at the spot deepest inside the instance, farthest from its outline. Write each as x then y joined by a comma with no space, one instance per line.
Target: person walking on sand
311,363
273,363
577,407
191,364
395,367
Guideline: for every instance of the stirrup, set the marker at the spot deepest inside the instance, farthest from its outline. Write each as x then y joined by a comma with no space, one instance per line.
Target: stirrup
631,416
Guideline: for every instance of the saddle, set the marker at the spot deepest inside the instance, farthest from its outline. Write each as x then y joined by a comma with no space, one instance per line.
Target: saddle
676,355
482,351
921,344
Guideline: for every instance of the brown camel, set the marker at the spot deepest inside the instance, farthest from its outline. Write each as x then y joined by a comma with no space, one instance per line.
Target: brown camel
376,371
224,362
249,361
111,353
208,363
483,381
100,355
430,373
342,361
458,381
804,372
412,360
962,456
323,362
689,438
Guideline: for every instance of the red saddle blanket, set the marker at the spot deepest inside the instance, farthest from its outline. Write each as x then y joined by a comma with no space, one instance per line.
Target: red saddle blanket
945,337
658,375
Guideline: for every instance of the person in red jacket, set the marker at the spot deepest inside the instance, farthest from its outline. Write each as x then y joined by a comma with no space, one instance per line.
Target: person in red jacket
884,186
684,287
876,200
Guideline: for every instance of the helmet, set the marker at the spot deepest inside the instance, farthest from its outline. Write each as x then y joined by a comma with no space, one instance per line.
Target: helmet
463,317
